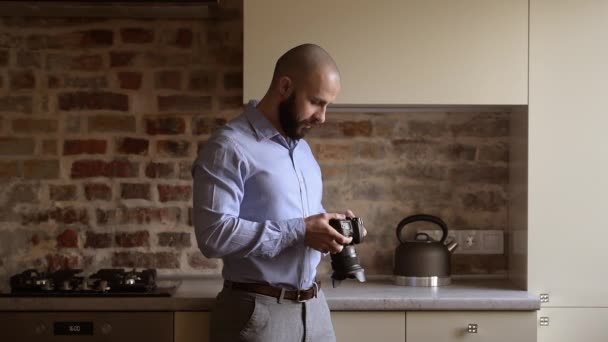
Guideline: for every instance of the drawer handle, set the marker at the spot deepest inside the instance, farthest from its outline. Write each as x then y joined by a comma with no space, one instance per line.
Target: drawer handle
472,328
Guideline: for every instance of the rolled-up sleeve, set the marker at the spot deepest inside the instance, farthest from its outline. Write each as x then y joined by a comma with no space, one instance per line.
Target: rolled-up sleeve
219,174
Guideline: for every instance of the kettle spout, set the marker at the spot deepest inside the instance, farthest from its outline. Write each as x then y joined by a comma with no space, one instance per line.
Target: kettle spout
452,246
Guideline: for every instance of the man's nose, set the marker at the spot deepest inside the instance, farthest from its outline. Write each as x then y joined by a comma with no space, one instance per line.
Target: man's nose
320,115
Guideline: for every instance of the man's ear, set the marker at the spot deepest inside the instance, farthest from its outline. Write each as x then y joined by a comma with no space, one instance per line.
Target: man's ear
285,87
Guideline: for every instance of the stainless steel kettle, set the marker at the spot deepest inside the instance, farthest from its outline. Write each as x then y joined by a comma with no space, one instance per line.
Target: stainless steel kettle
423,261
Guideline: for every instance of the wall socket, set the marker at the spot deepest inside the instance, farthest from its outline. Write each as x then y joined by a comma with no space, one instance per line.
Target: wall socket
473,241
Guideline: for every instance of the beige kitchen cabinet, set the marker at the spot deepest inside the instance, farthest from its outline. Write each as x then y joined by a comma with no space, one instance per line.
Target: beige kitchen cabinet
191,327
398,52
453,326
573,324
568,156
354,326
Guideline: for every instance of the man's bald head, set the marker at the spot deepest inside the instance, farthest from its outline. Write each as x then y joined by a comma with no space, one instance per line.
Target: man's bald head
303,62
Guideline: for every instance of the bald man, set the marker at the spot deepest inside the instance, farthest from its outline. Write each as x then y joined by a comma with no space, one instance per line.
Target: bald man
257,206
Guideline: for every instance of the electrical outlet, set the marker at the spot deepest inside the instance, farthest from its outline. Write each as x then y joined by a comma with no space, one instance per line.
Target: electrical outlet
470,241
473,241
481,241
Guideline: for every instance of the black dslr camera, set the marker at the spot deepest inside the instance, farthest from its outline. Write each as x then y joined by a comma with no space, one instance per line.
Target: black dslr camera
346,263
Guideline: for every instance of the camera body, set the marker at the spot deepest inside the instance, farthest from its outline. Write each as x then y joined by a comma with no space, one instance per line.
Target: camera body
346,263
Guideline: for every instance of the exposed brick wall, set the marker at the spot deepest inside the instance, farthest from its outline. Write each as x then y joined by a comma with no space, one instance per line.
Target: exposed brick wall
100,120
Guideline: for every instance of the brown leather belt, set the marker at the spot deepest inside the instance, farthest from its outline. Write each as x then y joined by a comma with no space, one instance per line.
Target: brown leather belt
276,292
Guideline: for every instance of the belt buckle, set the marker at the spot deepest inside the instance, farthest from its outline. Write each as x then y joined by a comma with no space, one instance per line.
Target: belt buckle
299,296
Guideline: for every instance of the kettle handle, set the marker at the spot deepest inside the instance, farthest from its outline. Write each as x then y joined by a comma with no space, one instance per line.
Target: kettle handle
423,217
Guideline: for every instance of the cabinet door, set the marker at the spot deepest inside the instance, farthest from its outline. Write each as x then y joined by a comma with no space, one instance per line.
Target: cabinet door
568,156
393,52
442,326
573,324
191,327
353,326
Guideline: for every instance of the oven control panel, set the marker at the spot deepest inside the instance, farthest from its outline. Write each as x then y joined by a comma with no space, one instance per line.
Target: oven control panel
87,326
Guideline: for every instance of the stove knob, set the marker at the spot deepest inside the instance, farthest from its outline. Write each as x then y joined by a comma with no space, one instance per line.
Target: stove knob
106,328
40,328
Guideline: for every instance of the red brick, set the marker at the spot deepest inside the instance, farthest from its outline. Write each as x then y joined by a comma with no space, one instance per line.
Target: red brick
145,260
4,57
168,79
130,80
17,104
173,148
91,146
70,215
174,239
357,128
98,168
60,215
35,126
98,240
174,193
205,80
69,63
62,192
463,174
164,59
206,125
334,151
184,103
10,169
97,191
233,80
72,40
166,125
132,146
35,240
111,123
138,215
49,147
21,193
122,58
231,102
67,239
81,100
22,80
483,125
137,239
29,59
185,170
160,170
135,191
136,35
58,262
199,261
41,169
183,38
16,146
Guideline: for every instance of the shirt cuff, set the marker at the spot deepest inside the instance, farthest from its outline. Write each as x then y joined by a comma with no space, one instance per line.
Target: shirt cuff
296,230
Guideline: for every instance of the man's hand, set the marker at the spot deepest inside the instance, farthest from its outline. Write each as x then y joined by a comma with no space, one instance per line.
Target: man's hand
323,237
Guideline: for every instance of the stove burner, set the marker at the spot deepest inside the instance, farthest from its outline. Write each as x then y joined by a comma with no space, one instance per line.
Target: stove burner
105,281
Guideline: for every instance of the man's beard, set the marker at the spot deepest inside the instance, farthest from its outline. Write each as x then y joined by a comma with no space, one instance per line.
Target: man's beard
288,118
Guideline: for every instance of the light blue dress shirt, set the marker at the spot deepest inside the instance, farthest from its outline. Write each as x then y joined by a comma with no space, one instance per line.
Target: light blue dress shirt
252,190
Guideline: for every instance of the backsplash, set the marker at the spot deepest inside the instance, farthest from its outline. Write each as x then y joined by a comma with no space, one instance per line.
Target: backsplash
101,120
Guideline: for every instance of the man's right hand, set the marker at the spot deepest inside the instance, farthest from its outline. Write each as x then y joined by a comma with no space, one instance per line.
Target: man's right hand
323,237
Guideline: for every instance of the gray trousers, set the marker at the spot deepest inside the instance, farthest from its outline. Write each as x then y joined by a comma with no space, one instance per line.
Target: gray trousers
246,316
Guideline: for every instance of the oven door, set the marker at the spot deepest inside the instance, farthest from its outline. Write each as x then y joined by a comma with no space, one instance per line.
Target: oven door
87,326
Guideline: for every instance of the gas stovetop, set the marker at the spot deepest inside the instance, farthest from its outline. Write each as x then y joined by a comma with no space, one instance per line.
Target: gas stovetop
103,283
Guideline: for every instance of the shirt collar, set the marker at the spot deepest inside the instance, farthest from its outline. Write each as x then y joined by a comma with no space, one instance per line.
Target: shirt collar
261,125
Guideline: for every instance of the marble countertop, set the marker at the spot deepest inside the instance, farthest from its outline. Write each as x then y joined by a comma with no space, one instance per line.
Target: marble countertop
379,293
